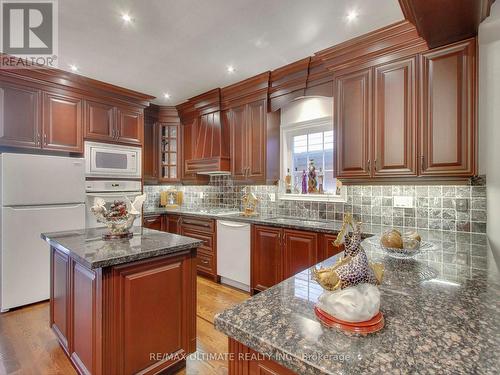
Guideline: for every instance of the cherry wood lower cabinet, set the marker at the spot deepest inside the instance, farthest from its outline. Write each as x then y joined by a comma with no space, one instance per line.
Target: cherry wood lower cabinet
172,224
205,230
249,362
114,320
278,254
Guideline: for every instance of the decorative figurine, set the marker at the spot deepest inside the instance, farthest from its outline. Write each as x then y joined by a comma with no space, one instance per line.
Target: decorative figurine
249,201
321,177
288,182
352,299
296,182
339,187
304,182
119,219
312,182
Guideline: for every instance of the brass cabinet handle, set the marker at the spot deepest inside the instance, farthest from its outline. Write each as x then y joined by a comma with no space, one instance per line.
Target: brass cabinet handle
369,164
45,138
375,164
204,261
422,162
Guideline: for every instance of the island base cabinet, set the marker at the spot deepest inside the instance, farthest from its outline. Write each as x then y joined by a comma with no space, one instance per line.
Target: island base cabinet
138,317
244,360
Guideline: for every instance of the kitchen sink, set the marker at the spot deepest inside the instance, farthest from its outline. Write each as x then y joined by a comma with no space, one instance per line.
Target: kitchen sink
294,220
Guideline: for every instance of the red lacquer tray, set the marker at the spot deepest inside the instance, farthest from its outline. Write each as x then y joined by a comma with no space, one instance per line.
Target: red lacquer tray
370,326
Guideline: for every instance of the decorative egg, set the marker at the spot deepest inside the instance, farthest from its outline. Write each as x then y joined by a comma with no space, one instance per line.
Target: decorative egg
392,239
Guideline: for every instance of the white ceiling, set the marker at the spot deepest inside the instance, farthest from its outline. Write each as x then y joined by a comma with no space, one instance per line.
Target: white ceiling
183,47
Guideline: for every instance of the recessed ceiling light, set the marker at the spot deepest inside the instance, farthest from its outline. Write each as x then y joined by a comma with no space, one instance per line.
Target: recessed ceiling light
166,95
351,15
73,68
230,69
126,17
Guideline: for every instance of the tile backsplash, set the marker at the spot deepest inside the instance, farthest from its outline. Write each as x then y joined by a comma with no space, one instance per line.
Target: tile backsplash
450,208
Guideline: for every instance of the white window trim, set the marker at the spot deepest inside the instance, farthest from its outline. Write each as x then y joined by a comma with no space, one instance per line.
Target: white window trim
286,133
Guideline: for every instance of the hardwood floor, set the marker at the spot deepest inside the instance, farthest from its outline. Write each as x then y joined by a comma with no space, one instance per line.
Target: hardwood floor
28,346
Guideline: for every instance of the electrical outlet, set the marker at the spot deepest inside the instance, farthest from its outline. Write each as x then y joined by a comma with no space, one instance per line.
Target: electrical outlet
201,194
272,197
404,202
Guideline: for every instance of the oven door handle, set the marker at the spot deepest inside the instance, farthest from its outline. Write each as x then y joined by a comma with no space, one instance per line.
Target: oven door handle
116,195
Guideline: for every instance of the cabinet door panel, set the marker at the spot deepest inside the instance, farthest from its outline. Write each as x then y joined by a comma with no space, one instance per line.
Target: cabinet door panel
237,120
130,125
300,251
395,123
84,319
153,322
59,297
19,115
353,114
99,121
62,123
173,224
151,152
328,249
256,140
266,257
448,134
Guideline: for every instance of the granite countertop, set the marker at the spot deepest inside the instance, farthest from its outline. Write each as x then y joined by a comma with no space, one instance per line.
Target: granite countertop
441,316
88,248
321,226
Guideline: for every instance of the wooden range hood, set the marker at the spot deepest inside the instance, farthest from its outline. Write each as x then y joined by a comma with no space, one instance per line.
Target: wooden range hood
209,138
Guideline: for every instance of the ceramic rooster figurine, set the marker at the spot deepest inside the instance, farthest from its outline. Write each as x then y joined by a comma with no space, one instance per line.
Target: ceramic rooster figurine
351,283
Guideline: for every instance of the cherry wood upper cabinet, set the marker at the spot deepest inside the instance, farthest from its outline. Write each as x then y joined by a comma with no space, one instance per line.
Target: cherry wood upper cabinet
448,105
300,251
394,136
99,121
236,117
266,255
129,125
256,140
62,123
248,141
19,115
151,152
353,111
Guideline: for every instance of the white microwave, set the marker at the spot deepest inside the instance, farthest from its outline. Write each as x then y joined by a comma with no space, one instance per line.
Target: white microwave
112,161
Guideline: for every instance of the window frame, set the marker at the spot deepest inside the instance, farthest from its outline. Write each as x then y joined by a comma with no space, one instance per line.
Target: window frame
287,132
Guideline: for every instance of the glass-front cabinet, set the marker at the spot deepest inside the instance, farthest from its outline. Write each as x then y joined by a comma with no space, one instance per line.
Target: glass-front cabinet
169,152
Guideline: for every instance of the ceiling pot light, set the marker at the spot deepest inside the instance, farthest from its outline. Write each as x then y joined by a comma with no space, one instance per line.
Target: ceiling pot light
166,95
73,68
351,15
126,17
231,69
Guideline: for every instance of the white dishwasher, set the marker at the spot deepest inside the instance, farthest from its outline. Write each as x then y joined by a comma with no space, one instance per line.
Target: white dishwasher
233,253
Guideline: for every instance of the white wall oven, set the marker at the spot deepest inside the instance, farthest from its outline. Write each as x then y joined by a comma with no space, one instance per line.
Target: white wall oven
110,191
112,161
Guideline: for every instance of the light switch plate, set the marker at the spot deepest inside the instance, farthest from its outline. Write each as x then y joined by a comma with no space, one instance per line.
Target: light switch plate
272,197
404,202
201,194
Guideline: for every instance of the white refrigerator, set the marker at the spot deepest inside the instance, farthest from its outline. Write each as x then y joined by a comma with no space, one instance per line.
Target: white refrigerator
38,194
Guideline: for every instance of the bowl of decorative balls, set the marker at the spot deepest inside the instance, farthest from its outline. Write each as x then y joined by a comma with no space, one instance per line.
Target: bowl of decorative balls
119,217
402,245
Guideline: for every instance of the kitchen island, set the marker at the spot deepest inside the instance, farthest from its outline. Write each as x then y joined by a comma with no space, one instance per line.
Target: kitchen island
441,316
123,306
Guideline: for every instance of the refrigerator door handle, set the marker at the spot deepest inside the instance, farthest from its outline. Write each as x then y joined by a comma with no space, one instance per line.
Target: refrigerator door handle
43,207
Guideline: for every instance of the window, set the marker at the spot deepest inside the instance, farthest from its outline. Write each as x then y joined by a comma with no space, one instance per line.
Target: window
317,146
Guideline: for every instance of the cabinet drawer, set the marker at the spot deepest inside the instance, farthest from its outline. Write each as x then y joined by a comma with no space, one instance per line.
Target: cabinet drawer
205,262
199,224
208,239
153,222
